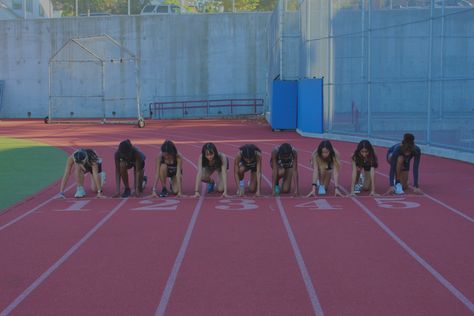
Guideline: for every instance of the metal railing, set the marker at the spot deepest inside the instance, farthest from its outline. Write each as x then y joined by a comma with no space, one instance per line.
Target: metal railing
205,108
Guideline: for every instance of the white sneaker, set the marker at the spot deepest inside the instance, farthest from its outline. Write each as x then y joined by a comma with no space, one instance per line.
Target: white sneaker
357,188
242,185
399,189
321,190
145,179
103,177
80,192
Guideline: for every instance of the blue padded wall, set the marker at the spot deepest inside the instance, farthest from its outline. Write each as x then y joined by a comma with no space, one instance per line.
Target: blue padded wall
310,105
284,104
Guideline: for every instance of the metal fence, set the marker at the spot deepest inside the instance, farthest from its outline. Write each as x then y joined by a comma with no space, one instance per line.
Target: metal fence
205,108
390,66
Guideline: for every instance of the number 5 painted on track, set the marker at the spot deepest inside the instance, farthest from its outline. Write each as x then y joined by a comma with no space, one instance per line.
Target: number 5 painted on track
395,203
237,205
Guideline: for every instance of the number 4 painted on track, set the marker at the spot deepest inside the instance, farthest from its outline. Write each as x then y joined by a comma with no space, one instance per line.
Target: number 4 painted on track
165,205
318,204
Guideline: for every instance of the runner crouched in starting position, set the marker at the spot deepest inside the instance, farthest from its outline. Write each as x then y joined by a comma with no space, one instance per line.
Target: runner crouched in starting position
284,164
169,165
211,160
85,161
127,157
249,158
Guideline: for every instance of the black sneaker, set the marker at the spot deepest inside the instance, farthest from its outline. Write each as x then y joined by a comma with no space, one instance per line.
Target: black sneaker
126,192
164,193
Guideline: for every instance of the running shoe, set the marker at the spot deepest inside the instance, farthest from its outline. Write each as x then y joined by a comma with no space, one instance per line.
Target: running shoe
80,192
126,193
321,190
398,188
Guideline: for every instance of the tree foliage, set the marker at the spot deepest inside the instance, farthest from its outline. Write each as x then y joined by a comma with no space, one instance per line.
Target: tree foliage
121,6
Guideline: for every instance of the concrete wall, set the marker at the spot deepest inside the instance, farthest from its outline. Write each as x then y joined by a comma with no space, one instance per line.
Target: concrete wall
182,57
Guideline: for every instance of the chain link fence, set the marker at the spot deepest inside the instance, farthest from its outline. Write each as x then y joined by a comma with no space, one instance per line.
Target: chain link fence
389,67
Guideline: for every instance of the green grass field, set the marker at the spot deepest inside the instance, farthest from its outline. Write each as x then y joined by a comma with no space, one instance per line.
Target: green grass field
26,167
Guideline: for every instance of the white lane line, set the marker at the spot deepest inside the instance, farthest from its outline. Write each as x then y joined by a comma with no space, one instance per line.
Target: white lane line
299,259
58,263
457,293
450,208
32,210
165,297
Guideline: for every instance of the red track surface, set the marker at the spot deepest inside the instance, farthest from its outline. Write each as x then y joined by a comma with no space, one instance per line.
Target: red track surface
409,255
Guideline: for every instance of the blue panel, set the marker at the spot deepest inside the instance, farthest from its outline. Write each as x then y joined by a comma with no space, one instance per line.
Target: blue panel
310,105
2,85
284,104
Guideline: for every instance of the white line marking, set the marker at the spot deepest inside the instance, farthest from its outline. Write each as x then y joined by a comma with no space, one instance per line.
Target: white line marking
58,263
452,209
165,297
418,258
32,210
299,259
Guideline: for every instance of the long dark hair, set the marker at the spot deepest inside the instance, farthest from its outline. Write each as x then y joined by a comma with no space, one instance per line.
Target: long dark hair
125,149
249,151
332,154
169,147
408,144
285,149
371,157
210,147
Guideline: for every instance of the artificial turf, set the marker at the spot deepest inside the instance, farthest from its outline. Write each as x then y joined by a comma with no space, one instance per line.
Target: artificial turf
26,167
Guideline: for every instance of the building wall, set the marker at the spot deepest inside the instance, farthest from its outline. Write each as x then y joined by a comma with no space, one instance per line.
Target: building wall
181,57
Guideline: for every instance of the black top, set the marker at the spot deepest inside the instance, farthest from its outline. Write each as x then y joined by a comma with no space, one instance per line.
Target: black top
395,152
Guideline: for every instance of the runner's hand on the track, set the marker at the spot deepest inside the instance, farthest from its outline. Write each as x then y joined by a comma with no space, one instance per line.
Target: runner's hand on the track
61,195
338,193
257,194
100,195
225,195
417,190
116,195
312,193
389,191
374,194
196,194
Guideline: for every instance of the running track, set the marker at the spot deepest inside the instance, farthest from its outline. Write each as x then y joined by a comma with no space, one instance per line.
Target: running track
386,255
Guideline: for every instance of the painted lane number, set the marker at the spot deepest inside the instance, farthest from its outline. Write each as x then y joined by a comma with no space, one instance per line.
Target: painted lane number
318,204
237,205
395,203
165,205
76,206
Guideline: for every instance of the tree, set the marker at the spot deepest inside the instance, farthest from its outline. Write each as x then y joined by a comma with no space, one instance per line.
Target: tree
98,6
267,5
